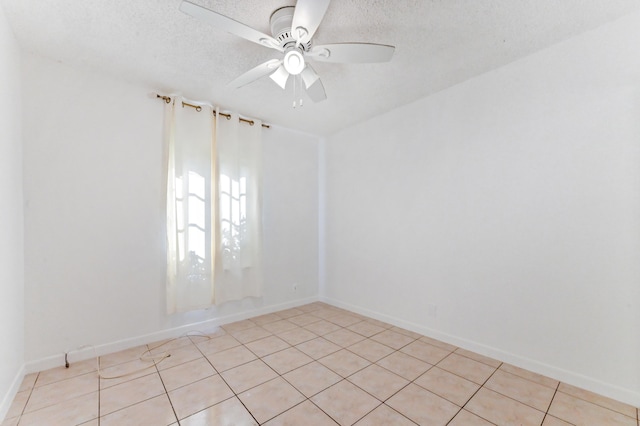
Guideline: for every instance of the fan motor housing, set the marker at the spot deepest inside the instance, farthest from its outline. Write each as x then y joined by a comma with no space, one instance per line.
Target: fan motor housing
280,22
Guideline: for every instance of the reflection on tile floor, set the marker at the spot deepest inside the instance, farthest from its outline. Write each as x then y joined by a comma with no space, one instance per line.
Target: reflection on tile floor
311,365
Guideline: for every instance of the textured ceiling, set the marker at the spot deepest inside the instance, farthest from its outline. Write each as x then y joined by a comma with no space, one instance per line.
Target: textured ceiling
439,43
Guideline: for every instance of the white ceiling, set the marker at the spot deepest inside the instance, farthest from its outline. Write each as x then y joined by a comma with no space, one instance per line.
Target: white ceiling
439,43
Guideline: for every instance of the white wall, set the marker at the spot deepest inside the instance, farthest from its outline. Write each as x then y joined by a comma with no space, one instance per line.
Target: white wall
94,217
11,221
503,214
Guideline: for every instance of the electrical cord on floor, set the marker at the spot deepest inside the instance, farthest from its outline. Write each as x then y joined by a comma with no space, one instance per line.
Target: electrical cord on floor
155,359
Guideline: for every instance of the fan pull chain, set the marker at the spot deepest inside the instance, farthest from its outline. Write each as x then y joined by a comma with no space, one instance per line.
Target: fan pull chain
294,91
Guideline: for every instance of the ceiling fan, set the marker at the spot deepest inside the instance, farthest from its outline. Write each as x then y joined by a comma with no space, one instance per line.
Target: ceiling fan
292,29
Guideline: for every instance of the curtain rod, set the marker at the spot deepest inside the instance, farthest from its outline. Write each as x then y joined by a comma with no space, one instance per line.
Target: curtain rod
198,108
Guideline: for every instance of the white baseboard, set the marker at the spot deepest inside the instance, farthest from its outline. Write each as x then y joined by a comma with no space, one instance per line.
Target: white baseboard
627,396
7,400
84,353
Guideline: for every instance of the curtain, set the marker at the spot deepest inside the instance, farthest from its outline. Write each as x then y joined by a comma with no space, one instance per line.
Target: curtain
191,181
238,264
214,233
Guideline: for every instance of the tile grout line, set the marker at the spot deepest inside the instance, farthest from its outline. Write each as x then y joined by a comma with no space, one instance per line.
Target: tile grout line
235,395
166,392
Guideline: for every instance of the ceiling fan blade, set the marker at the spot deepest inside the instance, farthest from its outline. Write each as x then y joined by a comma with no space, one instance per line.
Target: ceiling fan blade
255,73
229,25
307,17
309,76
316,91
280,76
352,53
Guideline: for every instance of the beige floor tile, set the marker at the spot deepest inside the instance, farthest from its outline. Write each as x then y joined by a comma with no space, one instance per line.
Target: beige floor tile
422,406
438,343
345,402
63,390
579,412
406,332
480,358
61,373
231,358
305,413
318,348
197,396
67,412
10,421
266,319
125,394
326,312
124,372
212,332
553,421
279,326
126,355
217,344
29,381
288,313
466,367
297,336
267,346
286,360
404,365
179,356
365,328
288,342
525,391
392,339
344,320
343,337
312,378
311,307
154,411
502,410
72,411
344,362
304,319
248,375
322,327
238,326
384,415
270,399
186,373
600,400
19,402
379,323
378,381
425,352
465,418
370,350
226,413
168,344
534,377
447,385
251,334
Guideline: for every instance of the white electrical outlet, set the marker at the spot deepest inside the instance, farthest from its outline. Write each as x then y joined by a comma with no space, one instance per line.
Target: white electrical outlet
294,287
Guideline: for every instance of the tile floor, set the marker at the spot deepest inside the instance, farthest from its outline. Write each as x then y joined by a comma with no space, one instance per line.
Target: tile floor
311,365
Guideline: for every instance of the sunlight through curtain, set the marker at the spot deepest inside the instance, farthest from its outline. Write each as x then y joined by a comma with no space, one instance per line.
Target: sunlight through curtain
214,233
190,184
238,265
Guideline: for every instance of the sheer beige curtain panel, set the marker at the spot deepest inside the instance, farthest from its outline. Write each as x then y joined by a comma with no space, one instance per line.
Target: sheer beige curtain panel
214,232
191,179
238,264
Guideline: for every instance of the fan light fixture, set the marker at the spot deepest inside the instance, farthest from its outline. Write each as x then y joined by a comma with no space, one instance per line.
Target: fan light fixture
292,30
294,62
